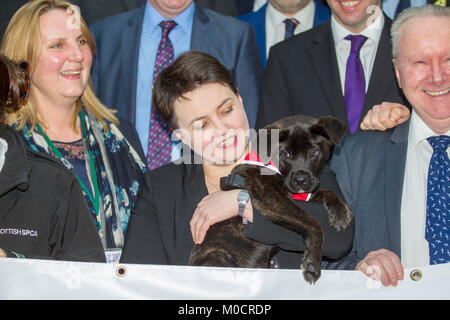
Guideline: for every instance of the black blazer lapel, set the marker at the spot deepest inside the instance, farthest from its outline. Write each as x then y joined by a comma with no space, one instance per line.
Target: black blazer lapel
131,4
383,76
323,55
130,43
395,161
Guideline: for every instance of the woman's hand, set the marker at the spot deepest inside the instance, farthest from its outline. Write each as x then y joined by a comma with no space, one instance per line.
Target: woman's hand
2,253
385,116
216,207
382,265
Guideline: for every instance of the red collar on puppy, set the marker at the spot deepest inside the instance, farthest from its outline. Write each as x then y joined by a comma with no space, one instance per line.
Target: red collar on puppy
254,159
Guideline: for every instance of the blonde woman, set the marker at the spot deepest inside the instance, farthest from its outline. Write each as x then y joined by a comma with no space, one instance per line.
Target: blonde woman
64,118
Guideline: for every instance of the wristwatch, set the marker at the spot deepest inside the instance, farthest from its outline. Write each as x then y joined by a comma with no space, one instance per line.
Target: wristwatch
242,199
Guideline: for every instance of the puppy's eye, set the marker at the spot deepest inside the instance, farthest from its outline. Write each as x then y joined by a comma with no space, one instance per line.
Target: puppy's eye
313,153
285,154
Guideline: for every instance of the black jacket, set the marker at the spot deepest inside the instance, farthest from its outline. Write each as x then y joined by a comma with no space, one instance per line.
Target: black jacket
42,210
159,232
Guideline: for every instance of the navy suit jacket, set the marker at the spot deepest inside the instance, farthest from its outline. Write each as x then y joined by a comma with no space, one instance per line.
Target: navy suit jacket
258,20
370,167
117,38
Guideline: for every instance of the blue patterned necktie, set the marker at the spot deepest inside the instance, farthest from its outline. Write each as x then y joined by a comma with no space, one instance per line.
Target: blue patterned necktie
159,138
438,201
355,83
290,27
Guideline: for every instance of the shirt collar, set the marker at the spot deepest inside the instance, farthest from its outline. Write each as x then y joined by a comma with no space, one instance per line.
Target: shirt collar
372,32
419,131
3,150
153,18
304,16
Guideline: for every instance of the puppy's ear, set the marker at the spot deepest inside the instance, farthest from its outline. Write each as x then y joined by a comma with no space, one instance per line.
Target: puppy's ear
268,143
331,128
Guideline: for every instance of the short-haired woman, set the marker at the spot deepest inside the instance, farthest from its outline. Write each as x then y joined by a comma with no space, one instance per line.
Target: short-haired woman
179,202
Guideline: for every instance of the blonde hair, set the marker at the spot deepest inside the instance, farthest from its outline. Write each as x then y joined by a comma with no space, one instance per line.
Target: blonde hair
22,42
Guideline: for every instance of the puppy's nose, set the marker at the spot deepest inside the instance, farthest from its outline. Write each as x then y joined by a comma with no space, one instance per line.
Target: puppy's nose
300,178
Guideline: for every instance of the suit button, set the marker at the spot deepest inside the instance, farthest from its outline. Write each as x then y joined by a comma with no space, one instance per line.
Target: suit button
416,275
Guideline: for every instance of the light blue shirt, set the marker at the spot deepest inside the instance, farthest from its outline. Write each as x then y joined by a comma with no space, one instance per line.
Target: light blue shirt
389,6
180,36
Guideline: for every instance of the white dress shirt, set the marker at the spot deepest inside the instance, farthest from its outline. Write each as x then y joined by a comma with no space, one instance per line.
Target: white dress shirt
414,246
366,54
276,28
3,150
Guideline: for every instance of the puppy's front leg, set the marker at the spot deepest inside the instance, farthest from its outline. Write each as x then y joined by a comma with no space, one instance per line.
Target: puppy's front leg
339,214
267,198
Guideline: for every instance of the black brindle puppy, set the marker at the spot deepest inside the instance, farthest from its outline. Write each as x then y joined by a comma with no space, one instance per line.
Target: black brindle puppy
304,146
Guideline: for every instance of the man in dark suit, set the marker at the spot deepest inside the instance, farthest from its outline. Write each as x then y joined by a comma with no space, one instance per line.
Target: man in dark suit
127,44
306,74
389,179
307,13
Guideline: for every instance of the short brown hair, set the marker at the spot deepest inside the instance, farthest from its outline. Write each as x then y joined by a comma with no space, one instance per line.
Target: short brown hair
14,85
190,71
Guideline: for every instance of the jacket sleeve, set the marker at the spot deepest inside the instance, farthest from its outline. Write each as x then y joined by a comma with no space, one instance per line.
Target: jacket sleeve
248,73
143,240
336,244
74,236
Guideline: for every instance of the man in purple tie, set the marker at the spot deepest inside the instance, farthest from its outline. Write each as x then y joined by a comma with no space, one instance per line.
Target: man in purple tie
341,68
397,182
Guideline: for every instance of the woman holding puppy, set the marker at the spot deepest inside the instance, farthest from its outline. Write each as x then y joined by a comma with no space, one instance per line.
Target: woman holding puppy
179,202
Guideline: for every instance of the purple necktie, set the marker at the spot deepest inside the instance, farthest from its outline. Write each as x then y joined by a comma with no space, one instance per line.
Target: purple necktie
159,142
355,84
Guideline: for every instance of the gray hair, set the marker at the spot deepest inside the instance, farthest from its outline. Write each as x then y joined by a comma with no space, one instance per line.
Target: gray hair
411,13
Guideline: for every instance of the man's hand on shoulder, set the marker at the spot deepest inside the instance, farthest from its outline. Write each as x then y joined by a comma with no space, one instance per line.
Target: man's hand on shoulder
385,116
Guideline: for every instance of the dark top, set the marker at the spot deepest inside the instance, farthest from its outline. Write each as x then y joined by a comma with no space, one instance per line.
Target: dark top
42,210
159,231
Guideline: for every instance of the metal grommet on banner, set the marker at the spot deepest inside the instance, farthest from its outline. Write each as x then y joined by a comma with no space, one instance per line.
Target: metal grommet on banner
416,275
121,271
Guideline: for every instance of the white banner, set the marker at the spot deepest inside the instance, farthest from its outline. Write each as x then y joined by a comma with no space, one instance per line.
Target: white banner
60,280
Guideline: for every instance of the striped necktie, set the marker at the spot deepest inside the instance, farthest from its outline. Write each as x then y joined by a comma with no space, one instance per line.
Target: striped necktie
290,27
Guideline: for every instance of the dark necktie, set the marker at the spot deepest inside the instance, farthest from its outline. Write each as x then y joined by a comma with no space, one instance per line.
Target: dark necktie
355,85
402,4
159,138
438,201
290,27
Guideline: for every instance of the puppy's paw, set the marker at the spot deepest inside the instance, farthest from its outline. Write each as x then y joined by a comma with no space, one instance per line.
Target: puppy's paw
311,276
311,269
340,216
